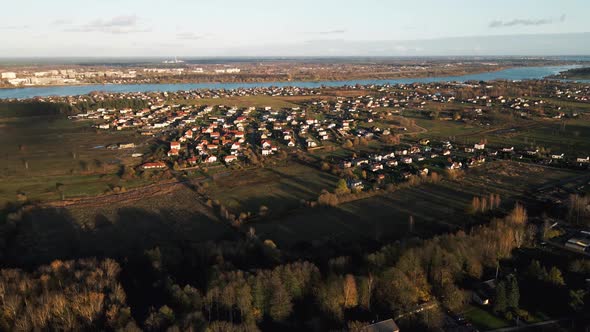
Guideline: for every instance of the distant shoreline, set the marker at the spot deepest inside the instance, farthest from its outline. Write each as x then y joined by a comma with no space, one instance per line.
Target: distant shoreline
507,74
279,80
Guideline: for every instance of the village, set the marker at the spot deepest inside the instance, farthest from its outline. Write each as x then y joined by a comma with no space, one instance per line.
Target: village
191,135
154,70
363,164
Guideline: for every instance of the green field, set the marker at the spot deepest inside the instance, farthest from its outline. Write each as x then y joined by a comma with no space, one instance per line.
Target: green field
246,101
568,136
38,152
280,189
484,320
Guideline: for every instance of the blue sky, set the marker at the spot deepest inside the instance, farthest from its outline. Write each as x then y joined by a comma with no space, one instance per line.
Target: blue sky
303,27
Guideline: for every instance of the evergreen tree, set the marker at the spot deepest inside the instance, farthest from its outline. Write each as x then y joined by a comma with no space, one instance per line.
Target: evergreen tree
536,271
513,293
555,277
500,301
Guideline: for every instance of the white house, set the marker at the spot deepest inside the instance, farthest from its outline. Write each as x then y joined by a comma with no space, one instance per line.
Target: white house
479,146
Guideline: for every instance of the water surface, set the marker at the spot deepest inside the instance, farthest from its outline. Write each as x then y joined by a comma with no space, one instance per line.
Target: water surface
512,74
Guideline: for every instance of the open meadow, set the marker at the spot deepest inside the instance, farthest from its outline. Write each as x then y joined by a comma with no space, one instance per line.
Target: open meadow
48,156
280,189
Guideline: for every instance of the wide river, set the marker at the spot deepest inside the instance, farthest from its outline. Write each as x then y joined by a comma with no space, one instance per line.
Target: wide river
523,73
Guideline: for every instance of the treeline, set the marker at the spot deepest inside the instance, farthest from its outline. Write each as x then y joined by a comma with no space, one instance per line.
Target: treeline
483,204
342,194
34,108
66,296
427,275
28,108
237,296
226,291
116,103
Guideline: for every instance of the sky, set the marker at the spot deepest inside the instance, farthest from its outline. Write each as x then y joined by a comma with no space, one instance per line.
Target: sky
40,28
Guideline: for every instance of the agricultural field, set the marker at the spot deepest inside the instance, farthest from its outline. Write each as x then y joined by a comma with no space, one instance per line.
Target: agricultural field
570,136
138,220
433,207
41,153
246,101
563,136
280,189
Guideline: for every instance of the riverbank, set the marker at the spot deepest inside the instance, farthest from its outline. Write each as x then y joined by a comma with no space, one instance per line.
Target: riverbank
254,78
516,73
574,74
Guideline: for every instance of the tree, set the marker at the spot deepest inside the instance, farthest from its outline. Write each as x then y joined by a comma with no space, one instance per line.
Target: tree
536,271
228,299
555,277
366,287
577,299
341,187
280,301
512,293
454,298
258,297
330,297
127,173
350,292
244,302
518,216
500,301
397,291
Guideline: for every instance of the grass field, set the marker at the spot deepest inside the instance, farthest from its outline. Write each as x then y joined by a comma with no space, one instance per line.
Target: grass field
278,188
248,101
569,136
38,152
434,207
445,129
276,102
484,320
118,226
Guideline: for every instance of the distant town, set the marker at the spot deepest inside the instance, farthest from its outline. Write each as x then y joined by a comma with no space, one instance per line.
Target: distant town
180,71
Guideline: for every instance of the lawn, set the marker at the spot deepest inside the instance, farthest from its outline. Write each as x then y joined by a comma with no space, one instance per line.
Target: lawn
483,319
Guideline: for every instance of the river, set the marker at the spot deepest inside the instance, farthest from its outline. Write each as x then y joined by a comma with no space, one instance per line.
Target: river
521,73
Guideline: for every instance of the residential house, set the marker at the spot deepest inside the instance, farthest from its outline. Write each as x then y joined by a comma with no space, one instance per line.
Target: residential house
230,159
154,165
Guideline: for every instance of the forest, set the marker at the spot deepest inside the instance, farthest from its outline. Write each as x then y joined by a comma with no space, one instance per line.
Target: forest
248,284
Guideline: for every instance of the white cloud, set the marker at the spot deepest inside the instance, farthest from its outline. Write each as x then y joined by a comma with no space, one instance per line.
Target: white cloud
525,22
114,25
